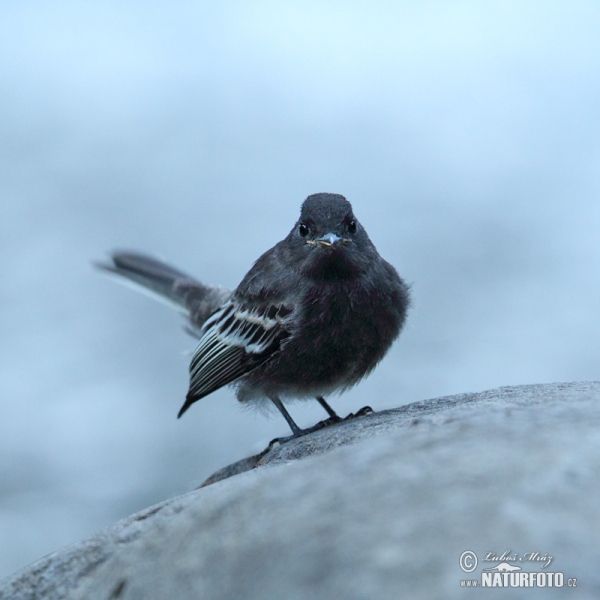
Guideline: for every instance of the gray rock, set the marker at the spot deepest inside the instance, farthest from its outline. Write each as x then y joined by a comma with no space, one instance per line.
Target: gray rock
379,507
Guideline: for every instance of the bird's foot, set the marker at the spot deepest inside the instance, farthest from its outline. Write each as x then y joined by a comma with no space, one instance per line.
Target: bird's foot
365,410
302,432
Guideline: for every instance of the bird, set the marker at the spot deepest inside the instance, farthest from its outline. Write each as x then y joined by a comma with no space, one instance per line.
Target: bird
313,316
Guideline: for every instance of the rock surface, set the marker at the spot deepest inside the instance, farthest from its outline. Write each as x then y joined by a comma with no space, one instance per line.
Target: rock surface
379,507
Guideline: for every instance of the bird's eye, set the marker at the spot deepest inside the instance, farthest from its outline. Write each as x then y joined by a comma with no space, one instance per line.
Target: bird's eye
303,229
352,226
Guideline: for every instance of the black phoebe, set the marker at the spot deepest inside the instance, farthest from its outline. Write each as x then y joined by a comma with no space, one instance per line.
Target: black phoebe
314,315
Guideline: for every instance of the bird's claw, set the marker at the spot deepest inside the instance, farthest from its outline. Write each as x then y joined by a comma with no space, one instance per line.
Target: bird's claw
365,410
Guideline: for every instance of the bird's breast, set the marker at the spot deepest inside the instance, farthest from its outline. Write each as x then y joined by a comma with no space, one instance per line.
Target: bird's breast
340,333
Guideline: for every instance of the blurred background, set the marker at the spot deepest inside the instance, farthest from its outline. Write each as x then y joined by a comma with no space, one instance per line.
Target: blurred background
466,135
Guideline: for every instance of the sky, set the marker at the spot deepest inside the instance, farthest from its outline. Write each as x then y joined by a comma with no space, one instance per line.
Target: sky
466,134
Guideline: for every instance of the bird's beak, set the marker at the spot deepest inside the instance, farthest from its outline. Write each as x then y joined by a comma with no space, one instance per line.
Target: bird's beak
329,239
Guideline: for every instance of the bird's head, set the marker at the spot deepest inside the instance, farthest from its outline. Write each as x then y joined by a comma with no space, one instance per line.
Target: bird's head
328,242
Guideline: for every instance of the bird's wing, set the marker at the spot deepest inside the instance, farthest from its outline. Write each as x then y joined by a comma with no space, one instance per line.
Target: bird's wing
235,339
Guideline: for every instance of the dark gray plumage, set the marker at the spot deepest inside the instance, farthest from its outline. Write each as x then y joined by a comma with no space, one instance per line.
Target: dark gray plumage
314,315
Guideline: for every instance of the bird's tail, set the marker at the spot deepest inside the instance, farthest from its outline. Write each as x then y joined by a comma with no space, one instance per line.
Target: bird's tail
196,300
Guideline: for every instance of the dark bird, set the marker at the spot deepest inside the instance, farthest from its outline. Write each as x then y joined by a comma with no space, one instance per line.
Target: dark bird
313,316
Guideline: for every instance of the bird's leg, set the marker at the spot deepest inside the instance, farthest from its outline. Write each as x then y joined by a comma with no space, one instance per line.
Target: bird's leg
332,414
296,431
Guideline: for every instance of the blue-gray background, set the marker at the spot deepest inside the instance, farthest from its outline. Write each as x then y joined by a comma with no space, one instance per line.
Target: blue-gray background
466,134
